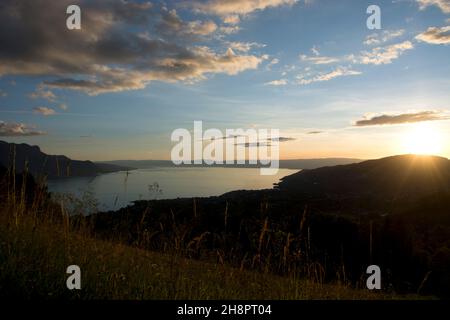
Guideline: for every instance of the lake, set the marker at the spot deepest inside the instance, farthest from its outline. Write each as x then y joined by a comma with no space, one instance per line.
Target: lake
118,189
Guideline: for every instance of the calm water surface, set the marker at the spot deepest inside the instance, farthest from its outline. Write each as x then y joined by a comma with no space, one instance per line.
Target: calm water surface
118,189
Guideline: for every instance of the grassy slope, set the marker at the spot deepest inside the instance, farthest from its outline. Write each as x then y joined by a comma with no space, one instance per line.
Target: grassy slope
34,257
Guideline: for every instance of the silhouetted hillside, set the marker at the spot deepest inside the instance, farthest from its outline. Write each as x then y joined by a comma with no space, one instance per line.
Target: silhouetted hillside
391,178
52,166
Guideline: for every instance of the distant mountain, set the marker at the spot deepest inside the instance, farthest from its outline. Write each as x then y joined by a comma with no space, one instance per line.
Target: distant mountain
393,177
52,166
316,163
284,164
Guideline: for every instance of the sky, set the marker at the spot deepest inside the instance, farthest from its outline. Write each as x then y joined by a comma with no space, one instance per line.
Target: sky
138,70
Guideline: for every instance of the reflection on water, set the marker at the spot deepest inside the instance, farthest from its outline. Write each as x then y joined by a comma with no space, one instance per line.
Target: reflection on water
116,190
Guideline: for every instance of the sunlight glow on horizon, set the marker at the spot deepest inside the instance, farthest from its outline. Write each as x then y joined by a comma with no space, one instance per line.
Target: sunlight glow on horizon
422,139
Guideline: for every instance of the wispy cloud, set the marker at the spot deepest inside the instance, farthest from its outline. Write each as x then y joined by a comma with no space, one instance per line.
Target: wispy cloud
392,119
280,82
224,138
282,139
45,111
42,93
272,62
229,29
265,143
3,93
253,144
376,56
435,35
232,19
384,55
12,129
383,36
444,5
318,59
230,8
172,24
244,46
305,79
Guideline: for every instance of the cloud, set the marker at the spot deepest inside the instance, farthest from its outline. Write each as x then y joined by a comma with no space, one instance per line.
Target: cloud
172,24
244,46
444,5
384,55
42,93
271,63
193,68
274,61
232,19
377,56
227,8
63,106
382,37
201,28
435,35
282,139
314,132
253,144
318,59
121,46
315,51
231,136
45,111
392,119
266,143
229,29
11,129
3,93
305,79
281,82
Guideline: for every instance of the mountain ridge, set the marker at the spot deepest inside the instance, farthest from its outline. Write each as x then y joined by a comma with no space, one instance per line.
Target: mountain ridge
398,176
284,164
40,164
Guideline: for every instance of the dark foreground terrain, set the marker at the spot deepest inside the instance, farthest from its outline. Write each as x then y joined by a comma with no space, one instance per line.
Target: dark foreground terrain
328,224
312,237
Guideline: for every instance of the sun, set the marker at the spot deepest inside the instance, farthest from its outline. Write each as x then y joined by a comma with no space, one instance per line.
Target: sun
423,138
